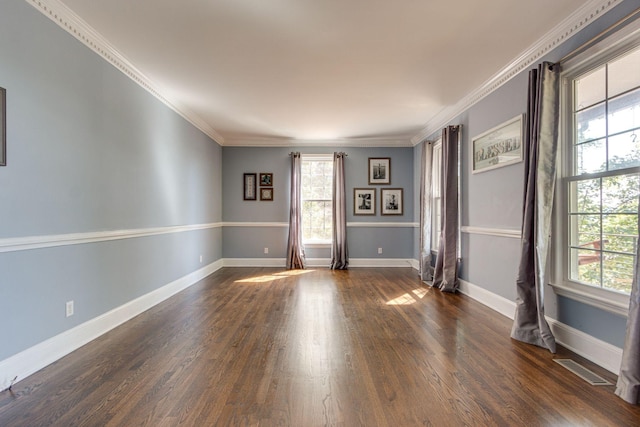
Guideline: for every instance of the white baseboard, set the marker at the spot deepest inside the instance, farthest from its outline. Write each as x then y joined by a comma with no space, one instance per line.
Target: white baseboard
37,357
599,352
321,262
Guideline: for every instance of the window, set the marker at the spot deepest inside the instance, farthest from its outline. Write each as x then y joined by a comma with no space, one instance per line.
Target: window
601,171
317,198
436,191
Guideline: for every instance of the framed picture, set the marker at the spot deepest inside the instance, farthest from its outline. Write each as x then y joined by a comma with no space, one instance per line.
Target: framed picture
364,201
266,179
3,127
391,201
266,193
250,187
379,170
497,147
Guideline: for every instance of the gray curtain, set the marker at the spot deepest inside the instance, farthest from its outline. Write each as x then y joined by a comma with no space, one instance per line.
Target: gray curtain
339,251
295,250
425,211
540,148
445,275
628,386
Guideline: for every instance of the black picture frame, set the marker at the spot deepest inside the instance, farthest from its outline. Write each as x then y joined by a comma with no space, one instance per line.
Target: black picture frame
266,179
391,201
266,193
364,201
250,185
379,170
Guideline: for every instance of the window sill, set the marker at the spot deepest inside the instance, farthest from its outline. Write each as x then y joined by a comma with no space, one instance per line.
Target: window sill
316,245
610,301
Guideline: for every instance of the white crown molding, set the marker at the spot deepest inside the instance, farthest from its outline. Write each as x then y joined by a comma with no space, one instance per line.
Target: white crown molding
66,19
14,244
357,142
575,22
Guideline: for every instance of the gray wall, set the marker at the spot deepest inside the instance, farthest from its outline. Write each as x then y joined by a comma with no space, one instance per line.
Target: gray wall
89,150
249,242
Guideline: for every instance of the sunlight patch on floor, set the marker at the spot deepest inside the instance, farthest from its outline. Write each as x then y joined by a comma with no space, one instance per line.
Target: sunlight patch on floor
409,298
274,276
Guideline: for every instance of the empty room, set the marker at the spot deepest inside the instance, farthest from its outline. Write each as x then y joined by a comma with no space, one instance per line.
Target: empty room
349,213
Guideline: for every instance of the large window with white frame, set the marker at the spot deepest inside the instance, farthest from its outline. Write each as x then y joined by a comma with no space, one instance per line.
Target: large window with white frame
601,168
317,199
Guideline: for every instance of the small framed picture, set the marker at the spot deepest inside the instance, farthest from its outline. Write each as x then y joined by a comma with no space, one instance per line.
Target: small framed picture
266,179
250,187
364,201
379,170
391,202
266,193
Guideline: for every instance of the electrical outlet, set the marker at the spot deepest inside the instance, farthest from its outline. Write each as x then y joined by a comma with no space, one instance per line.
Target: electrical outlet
266,250
69,307
379,250
200,259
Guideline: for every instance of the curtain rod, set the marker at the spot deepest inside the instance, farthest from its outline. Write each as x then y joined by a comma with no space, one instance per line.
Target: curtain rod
602,35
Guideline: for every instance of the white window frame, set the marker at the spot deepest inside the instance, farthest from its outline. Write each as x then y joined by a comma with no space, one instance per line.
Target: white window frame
436,194
603,51
315,243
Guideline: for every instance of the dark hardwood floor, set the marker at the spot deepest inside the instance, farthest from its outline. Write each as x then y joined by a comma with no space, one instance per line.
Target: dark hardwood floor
257,346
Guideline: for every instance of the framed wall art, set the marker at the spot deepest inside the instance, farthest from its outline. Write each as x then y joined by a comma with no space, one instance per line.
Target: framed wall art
266,193
379,170
250,186
497,147
266,179
3,127
391,202
364,201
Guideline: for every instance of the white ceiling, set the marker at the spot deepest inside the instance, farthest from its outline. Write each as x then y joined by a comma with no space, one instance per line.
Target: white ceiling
251,72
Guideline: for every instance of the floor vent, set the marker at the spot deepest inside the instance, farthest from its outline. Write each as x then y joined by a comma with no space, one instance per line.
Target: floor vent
582,372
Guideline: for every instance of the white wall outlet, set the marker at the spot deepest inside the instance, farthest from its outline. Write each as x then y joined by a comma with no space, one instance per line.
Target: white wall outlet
266,250
69,308
200,259
379,250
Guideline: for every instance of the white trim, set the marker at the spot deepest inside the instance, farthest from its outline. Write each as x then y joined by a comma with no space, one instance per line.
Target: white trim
383,224
579,19
495,302
255,224
369,142
599,352
66,19
321,262
610,301
14,244
37,357
499,232
602,353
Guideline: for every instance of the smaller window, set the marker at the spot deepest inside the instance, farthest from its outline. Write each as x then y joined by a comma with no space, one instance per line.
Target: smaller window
317,198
